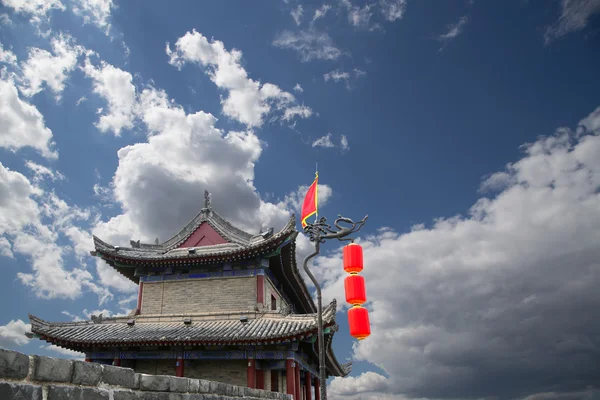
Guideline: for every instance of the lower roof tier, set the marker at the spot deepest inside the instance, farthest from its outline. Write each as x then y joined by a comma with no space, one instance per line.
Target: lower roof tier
146,330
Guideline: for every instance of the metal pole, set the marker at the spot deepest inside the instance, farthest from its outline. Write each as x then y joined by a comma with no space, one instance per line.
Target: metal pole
321,336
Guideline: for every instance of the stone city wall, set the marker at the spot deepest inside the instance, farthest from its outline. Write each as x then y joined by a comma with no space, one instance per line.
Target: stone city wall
25,377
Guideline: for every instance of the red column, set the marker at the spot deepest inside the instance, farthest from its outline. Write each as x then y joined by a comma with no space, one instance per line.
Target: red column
317,389
260,379
307,385
251,373
179,367
139,303
298,388
290,377
117,362
88,360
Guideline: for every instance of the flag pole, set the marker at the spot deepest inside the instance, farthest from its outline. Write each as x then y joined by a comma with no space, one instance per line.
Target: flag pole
317,192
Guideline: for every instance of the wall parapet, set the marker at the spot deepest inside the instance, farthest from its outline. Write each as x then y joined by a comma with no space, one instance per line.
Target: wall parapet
38,377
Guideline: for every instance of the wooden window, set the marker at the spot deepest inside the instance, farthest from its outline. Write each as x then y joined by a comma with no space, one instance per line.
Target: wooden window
274,380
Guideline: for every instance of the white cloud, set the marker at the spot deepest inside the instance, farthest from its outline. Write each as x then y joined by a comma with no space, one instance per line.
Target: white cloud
22,210
310,45
392,9
298,88
7,56
116,87
73,317
292,112
324,141
344,143
63,352
5,20
5,248
248,101
453,30
296,14
13,333
95,12
591,123
41,172
575,15
321,12
22,123
365,382
338,75
470,295
38,10
358,16
43,67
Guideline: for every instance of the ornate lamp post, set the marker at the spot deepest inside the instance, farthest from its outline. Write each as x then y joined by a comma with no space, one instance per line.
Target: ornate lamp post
318,233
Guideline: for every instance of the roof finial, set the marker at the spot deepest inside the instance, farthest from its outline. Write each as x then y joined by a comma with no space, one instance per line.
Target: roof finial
206,199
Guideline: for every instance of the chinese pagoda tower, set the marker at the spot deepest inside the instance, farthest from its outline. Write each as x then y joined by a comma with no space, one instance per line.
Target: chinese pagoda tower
214,303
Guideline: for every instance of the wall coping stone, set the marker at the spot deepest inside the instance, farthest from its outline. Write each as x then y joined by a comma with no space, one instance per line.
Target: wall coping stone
30,376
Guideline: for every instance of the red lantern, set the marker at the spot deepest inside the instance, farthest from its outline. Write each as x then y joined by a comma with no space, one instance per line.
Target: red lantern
358,319
356,293
353,258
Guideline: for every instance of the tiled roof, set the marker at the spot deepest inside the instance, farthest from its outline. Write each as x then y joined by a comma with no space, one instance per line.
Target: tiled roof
116,331
239,242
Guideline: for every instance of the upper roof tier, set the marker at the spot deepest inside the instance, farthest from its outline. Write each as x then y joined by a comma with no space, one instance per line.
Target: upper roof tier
207,238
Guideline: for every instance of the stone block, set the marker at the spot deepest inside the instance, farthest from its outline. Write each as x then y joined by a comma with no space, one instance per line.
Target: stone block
193,396
204,386
193,385
156,383
117,376
86,373
179,385
136,381
230,390
20,391
76,393
255,393
221,389
13,365
126,395
52,369
247,392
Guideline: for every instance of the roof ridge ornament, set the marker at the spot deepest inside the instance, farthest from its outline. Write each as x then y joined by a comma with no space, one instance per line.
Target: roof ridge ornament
206,200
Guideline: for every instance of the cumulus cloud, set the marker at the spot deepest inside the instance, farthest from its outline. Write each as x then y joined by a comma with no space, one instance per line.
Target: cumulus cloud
38,10
116,87
248,101
96,12
7,56
575,15
22,124
42,172
13,333
64,353
298,88
43,67
344,143
495,303
23,210
310,45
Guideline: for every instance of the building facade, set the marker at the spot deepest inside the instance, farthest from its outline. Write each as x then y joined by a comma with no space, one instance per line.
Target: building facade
215,303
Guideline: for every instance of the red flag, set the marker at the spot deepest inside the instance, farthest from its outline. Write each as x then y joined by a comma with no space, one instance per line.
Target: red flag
311,201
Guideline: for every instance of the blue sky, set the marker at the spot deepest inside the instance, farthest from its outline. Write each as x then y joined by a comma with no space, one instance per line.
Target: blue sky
467,130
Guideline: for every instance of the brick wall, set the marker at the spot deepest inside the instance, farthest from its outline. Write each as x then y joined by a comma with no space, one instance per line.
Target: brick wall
231,371
199,295
46,378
